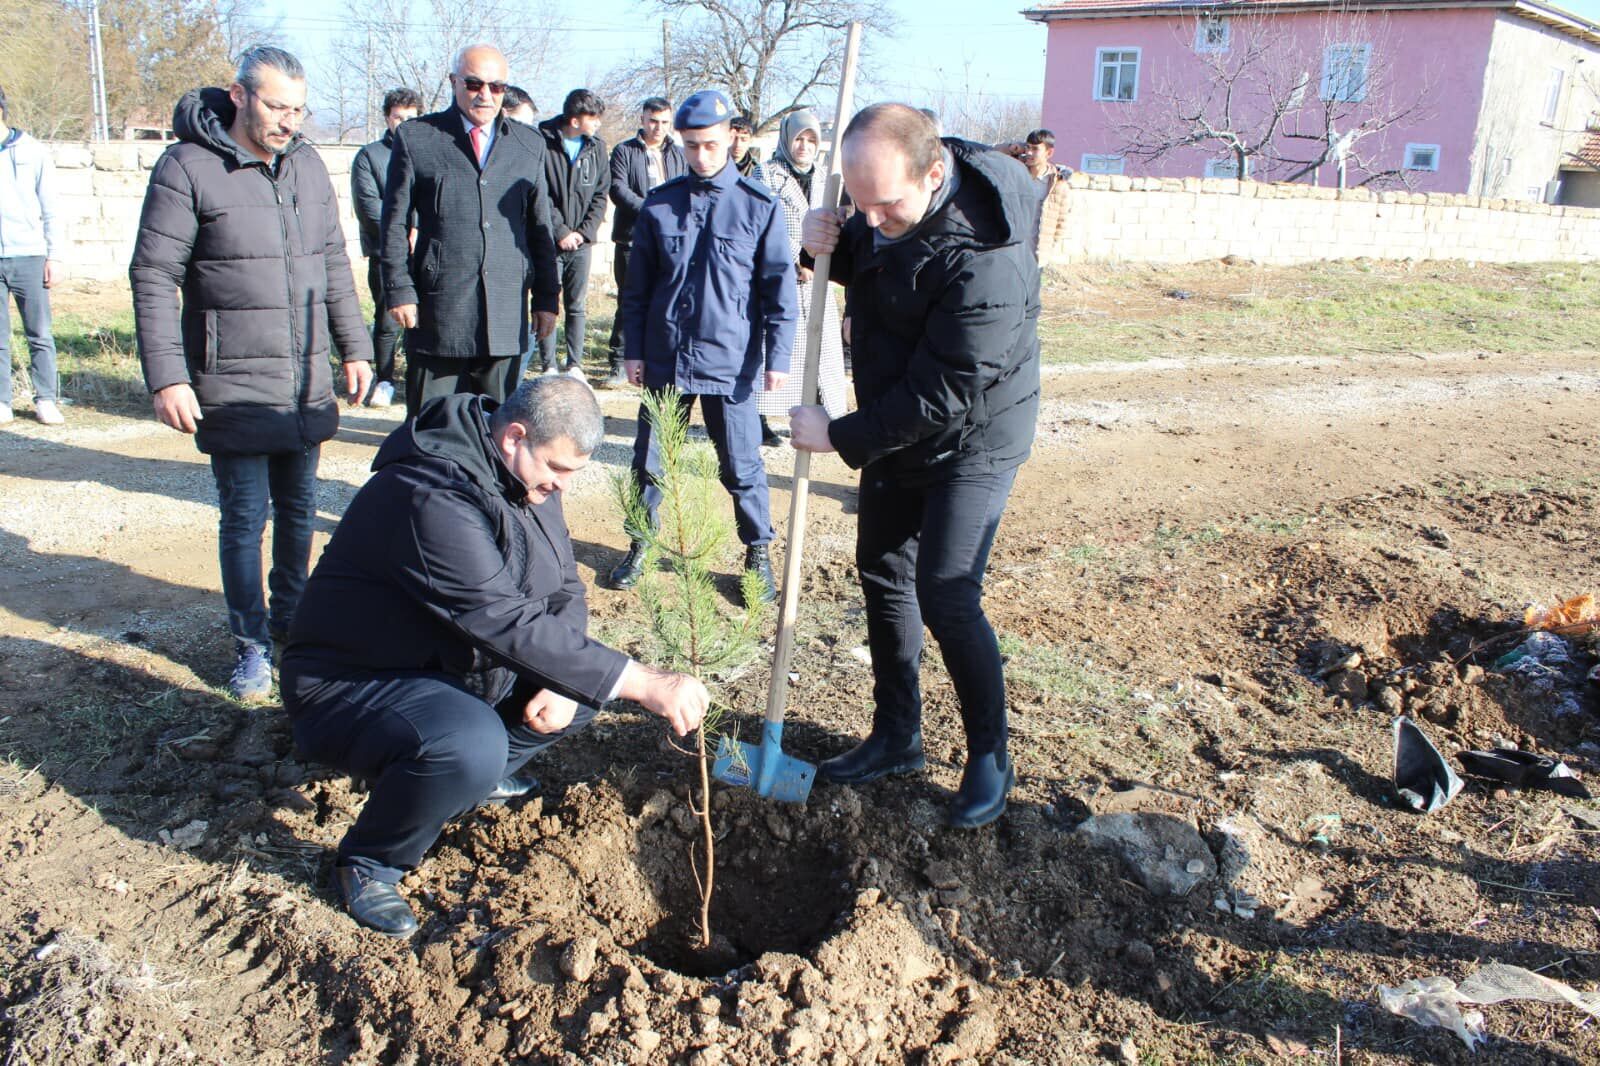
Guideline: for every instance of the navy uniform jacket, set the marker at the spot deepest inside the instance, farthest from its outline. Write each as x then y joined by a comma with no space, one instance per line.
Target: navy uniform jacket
711,285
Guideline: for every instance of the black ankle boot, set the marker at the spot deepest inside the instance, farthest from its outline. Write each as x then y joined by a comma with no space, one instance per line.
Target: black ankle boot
375,904
880,755
982,795
757,561
627,573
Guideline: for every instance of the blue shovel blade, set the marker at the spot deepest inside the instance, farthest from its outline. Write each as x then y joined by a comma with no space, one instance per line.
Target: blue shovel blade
764,768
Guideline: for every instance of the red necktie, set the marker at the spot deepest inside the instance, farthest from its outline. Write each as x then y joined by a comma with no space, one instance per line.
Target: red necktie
478,135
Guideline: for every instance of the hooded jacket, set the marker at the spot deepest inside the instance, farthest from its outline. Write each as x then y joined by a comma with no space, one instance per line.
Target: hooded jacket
368,171
944,336
30,221
260,259
440,565
577,187
483,236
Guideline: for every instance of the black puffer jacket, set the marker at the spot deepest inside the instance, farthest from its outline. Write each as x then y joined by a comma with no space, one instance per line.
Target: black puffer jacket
943,331
577,187
261,263
439,565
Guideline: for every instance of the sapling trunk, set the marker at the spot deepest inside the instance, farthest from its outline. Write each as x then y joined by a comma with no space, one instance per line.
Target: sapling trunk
694,628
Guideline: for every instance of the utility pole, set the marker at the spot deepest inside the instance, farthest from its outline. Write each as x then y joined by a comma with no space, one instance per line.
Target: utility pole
101,128
666,59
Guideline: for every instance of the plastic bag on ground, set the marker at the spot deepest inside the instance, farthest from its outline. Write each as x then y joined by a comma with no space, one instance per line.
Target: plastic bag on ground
1423,779
1437,1001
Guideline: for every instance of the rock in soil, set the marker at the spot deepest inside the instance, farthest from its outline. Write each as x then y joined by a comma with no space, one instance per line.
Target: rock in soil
1167,854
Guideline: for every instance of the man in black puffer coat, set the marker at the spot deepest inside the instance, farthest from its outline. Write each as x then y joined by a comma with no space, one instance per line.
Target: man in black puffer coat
943,296
443,641
241,218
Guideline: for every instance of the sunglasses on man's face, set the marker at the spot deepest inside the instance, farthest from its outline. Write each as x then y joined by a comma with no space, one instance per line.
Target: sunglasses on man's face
477,85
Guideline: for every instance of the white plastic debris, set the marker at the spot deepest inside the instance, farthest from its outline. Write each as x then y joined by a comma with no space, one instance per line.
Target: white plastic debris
1437,1000
188,836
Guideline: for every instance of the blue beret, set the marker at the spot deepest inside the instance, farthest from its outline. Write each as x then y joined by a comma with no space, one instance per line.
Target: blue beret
705,108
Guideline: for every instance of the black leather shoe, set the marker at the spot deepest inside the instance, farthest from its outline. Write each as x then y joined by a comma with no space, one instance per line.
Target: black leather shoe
880,755
757,561
627,573
510,788
375,904
982,795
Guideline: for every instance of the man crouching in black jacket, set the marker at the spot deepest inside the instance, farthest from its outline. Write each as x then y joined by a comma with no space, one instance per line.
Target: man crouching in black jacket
943,297
441,642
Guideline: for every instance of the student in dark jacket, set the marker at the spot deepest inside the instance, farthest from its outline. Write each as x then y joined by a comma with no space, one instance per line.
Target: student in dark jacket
241,218
944,305
368,173
638,164
579,175
475,182
437,666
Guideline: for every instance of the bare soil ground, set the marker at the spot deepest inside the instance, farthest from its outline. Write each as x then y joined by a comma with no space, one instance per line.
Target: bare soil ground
1197,540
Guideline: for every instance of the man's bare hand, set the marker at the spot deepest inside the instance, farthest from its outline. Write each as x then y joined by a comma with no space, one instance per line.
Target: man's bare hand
803,274
844,329
571,242
679,698
808,429
775,380
634,369
405,315
548,712
50,272
177,407
544,324
819,233
357,380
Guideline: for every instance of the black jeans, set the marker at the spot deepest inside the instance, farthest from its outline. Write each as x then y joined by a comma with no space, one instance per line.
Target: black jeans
429,750
22,278
619,267
246,485
922,553
574,268
385,330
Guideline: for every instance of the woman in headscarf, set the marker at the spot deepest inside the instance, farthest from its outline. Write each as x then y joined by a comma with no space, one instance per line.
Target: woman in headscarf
793,175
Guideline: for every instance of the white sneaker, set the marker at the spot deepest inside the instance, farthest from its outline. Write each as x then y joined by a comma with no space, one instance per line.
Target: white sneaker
382,395
47,412
576,373
5,413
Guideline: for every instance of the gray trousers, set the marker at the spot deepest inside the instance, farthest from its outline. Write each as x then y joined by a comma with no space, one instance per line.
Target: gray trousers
22,277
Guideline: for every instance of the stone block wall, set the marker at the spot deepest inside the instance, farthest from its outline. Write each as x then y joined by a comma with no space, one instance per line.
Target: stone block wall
1114,218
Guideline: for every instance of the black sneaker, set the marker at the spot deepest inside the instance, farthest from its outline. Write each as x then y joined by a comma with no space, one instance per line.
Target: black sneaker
615,379
769,439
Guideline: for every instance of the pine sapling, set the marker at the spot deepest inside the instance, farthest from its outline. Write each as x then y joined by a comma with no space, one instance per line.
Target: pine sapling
696,631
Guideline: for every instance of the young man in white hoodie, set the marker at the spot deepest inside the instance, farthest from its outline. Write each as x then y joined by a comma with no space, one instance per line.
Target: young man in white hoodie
30,241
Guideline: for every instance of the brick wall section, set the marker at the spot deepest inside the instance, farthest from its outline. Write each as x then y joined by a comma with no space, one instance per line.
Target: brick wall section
1104,218
1178,220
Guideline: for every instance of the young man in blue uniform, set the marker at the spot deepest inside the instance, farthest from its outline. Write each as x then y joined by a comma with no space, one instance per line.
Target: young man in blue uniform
710,288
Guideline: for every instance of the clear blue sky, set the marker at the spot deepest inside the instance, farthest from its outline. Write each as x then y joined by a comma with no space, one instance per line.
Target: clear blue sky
975,46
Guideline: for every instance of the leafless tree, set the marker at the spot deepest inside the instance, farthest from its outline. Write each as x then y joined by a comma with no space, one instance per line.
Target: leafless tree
1277,109
770,56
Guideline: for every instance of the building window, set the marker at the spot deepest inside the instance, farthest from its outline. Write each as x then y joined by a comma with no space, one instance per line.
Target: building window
1117,74
1211,35
1344,72
1552,96
1422,157
1101,164
1222,168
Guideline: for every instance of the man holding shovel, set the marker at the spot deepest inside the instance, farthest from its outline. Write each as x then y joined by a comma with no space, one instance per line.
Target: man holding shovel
943,297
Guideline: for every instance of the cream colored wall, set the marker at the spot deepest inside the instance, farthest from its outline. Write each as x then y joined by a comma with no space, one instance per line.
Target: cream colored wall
1515,153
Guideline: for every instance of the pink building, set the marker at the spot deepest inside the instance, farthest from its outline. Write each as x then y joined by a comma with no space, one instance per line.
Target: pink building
1488,97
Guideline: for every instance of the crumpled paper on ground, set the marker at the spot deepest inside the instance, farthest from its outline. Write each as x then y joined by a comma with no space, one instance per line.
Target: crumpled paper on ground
1437,1000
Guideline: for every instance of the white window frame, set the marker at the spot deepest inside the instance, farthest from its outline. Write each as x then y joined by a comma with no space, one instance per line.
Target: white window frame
1552,96
1093,163
1411,156
1223,168
1201,42
1337,61
1099,70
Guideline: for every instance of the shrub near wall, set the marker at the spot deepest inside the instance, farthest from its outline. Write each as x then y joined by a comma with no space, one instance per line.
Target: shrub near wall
1179,220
